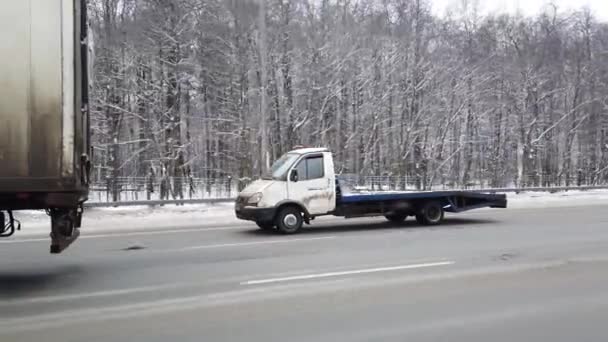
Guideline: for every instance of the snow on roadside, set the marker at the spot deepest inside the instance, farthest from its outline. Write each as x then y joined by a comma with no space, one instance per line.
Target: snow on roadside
97,220
557,199
208,215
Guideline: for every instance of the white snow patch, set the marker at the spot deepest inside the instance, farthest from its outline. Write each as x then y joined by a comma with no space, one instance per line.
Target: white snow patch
95,220
558,199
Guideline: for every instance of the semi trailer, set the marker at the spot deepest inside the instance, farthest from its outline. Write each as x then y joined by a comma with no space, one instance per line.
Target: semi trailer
302,185
45,150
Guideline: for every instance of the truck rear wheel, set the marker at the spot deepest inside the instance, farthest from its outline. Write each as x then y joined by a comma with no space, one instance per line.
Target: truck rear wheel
396,218
430,214
289,220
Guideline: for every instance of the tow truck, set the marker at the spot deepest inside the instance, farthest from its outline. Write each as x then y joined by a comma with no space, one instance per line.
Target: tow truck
302,185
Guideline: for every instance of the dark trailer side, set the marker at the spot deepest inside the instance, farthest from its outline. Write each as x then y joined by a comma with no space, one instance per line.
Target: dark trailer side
44,118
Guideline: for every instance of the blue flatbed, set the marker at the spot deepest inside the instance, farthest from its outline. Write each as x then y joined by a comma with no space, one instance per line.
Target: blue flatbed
366,197
362,204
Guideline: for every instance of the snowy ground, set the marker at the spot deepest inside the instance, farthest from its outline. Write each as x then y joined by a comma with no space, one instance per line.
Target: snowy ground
136,218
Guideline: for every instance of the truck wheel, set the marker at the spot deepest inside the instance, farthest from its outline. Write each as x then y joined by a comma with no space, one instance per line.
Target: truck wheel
265,225
396,218
431,214
289,220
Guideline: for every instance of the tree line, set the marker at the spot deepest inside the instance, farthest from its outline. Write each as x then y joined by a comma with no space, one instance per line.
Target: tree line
218,88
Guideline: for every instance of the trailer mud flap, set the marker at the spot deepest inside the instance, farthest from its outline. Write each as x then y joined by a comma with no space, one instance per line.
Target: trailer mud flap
59,243
64,229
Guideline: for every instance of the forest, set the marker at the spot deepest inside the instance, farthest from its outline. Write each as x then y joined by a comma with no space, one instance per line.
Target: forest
215,90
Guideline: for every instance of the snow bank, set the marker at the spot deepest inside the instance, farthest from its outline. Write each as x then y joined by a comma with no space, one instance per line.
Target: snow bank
558,199
136,218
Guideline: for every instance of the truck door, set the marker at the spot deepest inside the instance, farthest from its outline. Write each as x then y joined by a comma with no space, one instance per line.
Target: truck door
311,187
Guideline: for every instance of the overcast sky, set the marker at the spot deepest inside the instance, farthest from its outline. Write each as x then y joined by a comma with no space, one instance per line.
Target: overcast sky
527,7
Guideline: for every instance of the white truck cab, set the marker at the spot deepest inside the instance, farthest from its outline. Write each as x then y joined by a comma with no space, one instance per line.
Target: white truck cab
299,186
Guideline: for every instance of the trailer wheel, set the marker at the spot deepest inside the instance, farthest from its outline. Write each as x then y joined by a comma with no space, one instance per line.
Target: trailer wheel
431,214
265,225
289,220
396,218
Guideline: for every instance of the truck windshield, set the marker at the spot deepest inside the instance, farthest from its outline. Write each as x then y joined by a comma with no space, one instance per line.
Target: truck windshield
281,166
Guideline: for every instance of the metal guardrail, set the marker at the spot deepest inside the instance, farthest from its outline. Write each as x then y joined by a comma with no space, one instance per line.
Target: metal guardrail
127,189
228,200
542,189
157,202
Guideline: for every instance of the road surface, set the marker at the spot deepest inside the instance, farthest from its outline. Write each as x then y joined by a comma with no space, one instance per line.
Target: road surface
490,275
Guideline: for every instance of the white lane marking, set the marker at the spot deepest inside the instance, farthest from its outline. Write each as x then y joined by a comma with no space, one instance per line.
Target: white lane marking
239,244
25,240
109,293
343,273
117,235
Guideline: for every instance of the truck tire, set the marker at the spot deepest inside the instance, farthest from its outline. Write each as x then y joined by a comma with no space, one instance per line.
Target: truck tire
396,218
289,220
430,214
265,225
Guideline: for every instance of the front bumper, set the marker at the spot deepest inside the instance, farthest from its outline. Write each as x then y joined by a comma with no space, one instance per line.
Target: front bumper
255,214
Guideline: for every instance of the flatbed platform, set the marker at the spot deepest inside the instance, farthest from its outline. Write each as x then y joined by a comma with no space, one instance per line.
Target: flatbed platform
451,200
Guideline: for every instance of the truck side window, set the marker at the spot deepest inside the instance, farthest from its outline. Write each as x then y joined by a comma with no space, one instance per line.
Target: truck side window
314,167
310,168
301,167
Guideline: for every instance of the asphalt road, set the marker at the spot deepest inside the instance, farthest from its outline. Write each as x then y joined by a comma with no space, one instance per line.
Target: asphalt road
490,275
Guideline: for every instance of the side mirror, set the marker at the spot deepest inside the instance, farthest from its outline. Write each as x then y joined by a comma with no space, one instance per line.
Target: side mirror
294,176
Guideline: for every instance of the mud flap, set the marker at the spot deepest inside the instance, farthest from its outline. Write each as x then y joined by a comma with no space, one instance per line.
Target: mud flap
64,229
60,243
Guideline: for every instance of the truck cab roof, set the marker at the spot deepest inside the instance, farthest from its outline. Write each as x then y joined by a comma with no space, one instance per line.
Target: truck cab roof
309,150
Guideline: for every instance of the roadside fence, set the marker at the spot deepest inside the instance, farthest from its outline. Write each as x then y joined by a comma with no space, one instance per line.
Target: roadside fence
135,191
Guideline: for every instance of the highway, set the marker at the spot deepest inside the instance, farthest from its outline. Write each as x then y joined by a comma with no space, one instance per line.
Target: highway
489,275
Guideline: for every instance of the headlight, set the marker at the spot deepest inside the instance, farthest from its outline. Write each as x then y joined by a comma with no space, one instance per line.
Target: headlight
257,197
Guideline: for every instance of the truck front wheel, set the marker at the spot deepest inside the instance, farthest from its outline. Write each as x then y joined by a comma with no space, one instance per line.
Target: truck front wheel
430,214
265,225
289,220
